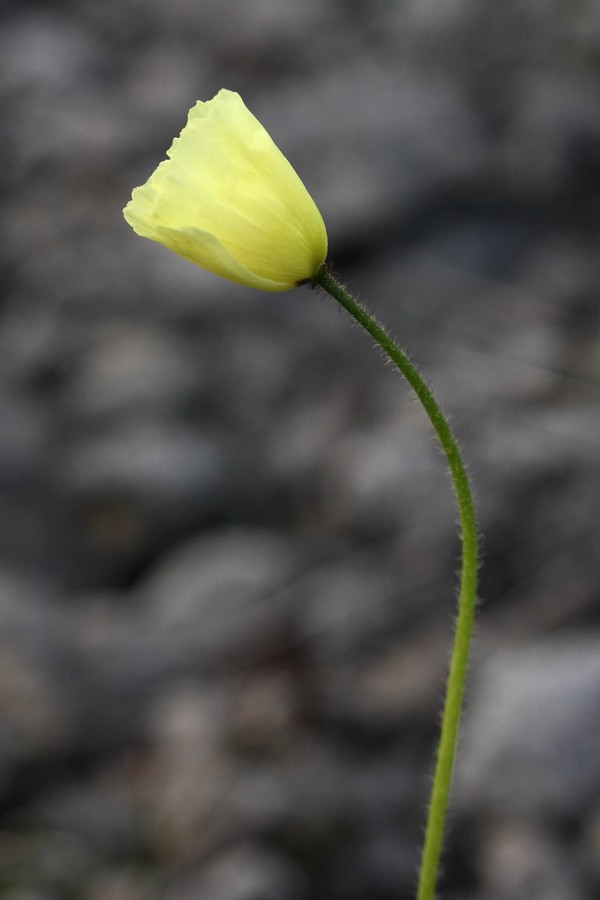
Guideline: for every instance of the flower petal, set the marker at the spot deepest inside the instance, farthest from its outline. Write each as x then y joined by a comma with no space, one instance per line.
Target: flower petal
228,199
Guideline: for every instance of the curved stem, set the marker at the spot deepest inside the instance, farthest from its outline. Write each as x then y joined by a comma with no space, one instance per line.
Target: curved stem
438,806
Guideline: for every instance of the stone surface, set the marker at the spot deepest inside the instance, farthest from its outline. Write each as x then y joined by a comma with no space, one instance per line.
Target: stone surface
524,750
227,542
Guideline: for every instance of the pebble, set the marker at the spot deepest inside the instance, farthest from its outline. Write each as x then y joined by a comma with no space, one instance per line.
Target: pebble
522,746
228,544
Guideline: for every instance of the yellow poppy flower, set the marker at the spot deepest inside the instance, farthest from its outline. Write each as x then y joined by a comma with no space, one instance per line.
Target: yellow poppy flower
228,200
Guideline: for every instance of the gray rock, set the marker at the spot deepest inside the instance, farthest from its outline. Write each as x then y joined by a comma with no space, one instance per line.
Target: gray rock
47,49
245,872
518,861
217,598
132,371
142,482
531,738
40,699
344,608
237,569
191,770
320,793
219,687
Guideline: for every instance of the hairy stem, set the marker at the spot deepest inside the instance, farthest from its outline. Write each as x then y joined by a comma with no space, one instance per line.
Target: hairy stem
438,806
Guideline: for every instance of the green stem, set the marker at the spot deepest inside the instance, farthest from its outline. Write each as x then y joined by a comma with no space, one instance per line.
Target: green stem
434,834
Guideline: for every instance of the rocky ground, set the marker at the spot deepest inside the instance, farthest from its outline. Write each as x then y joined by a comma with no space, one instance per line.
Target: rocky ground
227,541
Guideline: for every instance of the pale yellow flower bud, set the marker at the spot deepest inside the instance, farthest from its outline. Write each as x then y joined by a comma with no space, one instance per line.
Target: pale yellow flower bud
228,200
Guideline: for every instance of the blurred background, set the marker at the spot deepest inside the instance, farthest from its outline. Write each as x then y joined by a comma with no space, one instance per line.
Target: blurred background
228,544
